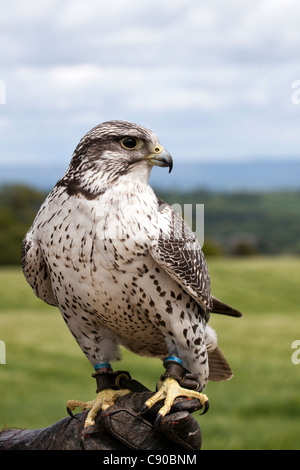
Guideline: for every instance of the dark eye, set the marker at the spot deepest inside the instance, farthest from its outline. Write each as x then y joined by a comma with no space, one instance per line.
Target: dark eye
129,143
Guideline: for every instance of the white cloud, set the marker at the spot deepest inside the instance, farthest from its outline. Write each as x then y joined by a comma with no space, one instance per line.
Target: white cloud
221,72
161,88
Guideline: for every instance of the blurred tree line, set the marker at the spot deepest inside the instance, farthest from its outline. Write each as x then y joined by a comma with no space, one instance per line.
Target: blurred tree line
18,207
243,224
235,224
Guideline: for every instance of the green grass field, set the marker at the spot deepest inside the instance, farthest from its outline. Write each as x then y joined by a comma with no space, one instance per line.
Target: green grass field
258,409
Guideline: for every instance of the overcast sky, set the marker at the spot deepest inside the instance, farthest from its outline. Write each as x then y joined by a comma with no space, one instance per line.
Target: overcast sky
214,79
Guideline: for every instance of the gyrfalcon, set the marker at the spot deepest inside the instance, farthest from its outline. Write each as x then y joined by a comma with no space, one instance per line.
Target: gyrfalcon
124,268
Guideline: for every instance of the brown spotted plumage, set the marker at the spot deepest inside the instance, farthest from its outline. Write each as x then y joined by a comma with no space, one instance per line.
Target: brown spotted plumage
120,264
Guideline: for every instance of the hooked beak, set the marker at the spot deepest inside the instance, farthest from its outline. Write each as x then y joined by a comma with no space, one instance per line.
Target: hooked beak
160,157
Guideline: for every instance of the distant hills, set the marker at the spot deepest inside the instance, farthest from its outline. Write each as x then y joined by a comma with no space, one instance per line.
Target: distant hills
235,176
221,177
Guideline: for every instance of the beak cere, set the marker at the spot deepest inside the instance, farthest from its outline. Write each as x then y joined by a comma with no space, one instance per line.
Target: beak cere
160,157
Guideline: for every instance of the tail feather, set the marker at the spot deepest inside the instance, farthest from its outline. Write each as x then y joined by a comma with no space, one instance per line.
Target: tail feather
219,369
224,309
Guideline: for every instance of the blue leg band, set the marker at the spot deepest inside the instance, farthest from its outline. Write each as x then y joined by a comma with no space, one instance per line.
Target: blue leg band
102,365
173,359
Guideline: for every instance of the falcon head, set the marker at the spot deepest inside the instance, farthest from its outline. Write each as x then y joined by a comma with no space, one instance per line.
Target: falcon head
112,150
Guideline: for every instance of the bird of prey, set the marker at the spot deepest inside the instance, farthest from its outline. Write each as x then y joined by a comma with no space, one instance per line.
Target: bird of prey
125,269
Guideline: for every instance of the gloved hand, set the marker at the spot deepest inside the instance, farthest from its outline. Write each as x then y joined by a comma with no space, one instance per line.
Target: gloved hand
119,427
177,431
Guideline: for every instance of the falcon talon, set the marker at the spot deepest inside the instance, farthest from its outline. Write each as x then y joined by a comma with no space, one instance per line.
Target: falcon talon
169,391
70,413
206,408
143,409
158,420
88,431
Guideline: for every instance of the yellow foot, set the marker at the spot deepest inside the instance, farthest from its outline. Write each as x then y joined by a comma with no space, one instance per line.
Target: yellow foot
169,390
104,399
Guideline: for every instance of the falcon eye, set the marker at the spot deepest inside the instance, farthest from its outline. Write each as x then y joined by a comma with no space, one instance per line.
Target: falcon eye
129,143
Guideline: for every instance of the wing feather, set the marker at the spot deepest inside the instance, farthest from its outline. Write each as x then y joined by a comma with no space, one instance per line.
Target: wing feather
179,253
224,309
35,270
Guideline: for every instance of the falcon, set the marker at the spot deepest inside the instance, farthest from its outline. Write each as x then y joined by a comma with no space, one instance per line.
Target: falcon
125,269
